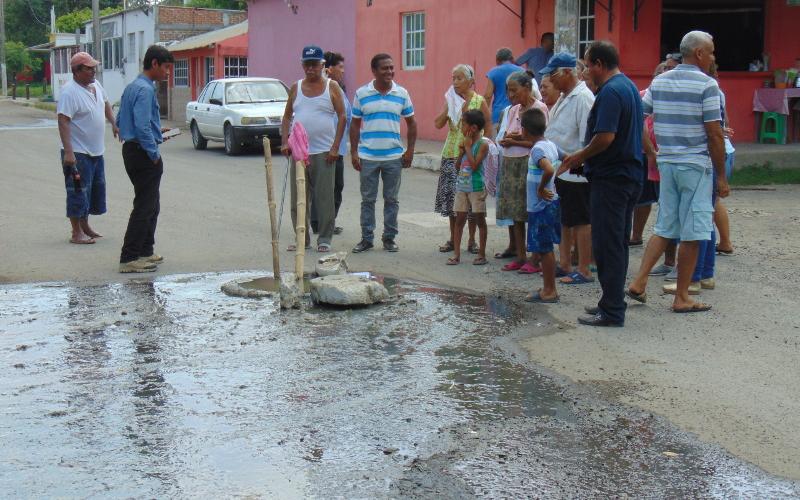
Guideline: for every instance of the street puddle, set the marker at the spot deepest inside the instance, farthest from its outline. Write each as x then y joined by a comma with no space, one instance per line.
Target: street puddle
170,388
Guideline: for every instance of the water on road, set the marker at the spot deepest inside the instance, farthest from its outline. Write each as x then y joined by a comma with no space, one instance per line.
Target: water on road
169,388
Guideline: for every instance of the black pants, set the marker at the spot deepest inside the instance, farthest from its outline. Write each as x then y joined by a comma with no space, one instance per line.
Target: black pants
146,179
612,202
338,187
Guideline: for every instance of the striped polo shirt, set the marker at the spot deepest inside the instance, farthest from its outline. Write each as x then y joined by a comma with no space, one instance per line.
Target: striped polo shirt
380,115
682,101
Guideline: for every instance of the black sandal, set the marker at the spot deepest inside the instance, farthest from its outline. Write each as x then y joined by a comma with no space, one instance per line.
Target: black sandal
472,248
447,247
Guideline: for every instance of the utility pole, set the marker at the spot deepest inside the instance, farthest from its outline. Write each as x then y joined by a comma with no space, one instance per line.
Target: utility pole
3,46
98,49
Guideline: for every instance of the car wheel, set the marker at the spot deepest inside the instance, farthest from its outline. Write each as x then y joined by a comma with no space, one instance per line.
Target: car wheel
198,141
232,148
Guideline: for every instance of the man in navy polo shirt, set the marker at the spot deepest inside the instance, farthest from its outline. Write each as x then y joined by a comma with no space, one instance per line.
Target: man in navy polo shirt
613,164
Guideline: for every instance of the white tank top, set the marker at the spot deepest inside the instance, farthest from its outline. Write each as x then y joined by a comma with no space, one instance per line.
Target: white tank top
318,117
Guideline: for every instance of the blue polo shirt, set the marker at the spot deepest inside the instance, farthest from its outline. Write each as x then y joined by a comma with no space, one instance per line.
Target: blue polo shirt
498,76
618,109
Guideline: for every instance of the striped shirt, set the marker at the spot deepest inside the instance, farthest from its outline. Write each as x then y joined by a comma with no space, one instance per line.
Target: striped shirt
380,115
681,102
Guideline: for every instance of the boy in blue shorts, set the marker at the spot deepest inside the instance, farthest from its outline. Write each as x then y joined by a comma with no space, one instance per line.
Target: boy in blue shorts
470,188
544,218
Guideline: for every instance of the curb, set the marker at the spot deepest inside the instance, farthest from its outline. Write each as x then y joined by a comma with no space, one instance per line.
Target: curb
427,161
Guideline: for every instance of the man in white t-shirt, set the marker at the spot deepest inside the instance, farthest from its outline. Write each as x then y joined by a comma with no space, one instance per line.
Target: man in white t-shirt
82,107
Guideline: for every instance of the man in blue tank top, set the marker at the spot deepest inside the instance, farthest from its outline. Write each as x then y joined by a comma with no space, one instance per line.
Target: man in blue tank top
317,103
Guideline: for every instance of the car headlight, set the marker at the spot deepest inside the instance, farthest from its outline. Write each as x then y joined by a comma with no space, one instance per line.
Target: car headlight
254,120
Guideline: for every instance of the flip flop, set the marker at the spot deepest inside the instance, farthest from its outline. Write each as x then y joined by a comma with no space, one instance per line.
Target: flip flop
293,248
89,241
635,243
453,261
638,297
323,248
505,254
726,253
473,248
696,307
529,268
576,278
512,266
560,273
480,261
447,247
537,298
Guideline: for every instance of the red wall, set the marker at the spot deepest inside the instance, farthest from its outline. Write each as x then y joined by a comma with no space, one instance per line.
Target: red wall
457,31
234,46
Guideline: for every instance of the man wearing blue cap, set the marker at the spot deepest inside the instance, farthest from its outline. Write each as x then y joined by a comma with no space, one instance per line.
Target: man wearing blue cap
317,103
567,129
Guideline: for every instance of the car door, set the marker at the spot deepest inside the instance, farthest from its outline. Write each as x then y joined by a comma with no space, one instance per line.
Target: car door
216,111
199,108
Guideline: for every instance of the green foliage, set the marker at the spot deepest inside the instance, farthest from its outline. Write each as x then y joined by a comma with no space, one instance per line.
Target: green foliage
766,174
28,21
68,23
18,59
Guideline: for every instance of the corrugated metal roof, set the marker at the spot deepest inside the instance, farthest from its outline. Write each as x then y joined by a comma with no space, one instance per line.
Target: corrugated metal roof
205,39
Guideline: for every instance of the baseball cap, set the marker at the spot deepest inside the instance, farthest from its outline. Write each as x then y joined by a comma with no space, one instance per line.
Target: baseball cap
560,60
83,59
313,53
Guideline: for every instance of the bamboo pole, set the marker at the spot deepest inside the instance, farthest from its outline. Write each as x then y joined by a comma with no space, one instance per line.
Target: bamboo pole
273,219
301,224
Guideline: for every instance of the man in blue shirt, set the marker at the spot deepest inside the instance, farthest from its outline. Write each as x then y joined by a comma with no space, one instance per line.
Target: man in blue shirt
536,58
612,160
495,94
139,122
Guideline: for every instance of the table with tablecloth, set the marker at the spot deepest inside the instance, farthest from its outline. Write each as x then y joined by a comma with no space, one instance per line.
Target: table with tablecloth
783,101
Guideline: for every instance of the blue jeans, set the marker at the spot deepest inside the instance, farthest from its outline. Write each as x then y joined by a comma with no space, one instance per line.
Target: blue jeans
371,174
92,198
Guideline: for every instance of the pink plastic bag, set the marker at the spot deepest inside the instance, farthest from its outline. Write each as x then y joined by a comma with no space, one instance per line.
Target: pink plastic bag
298,143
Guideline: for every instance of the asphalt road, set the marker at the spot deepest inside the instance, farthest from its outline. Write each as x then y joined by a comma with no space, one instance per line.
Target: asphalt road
729,376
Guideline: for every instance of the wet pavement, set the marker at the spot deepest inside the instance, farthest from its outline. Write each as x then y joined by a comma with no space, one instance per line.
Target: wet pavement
169,388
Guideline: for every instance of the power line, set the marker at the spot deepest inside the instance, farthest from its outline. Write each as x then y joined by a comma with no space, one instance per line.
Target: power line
35,17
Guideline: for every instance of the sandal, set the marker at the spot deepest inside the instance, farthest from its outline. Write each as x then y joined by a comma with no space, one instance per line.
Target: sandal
726,253
635,243
560,273
529,268
537,298
694,308
323,248
512,266
480,261
505,254
453,261
638,297
576,278
472,248
447,247
87,241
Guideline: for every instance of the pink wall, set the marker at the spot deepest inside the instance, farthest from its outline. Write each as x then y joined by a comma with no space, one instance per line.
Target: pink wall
277,36
457,31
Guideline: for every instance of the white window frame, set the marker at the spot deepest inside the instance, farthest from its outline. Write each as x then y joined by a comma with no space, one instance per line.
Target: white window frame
586,18
209,70
413,39
131,57
180,73
235,67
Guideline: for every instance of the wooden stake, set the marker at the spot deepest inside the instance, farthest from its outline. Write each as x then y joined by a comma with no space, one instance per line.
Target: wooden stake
273,219
301,223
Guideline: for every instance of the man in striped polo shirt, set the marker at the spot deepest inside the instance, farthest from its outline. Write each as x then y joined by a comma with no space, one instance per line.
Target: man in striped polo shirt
377,151
685,104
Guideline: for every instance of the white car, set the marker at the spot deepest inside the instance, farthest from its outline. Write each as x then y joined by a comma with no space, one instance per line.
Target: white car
237,112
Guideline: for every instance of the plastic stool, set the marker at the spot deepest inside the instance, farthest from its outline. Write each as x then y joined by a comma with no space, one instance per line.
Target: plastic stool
773,126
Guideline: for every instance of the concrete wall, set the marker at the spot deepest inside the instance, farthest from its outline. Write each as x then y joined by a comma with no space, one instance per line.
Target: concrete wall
277,36
456,31
179,97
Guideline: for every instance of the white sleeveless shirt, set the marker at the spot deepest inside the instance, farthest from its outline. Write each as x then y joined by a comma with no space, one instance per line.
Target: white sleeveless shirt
318,117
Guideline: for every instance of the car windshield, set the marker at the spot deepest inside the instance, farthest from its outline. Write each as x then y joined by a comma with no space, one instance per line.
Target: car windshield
250,92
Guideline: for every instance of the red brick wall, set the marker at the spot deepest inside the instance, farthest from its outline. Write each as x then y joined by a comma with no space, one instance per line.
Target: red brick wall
177,23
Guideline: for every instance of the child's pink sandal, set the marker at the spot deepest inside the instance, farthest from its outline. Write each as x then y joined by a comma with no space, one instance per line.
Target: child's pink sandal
512,266
528,268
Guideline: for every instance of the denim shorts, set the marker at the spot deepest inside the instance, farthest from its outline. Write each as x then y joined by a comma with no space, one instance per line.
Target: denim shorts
544,228
92,198
685,209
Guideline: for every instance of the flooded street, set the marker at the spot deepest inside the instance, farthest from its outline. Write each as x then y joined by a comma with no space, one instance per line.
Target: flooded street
169,388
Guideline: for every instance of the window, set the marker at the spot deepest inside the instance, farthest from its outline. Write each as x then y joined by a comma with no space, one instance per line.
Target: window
235,67
205,95
180,73
216,93
112,53
131,57
108,52
414,40
117,45
585,25
209,69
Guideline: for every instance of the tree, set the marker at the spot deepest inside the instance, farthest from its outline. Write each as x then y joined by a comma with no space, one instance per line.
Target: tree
28,21
76,20
19,61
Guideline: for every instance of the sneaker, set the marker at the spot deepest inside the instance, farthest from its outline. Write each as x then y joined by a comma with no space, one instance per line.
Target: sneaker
661,270
708,284
363,246
672,288
155,259
389,245
136,266
672,276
